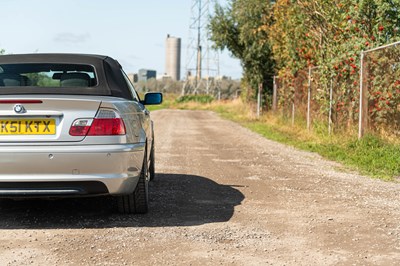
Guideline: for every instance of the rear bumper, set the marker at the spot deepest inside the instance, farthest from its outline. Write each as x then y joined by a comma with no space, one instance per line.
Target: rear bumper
63,171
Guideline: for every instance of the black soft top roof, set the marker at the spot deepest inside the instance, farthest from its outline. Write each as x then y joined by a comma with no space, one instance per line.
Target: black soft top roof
108,70
52,58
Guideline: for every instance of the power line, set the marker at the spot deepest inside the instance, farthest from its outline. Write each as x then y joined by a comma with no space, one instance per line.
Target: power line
202,62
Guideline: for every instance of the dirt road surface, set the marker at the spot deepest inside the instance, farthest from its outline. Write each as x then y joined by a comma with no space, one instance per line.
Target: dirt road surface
222,196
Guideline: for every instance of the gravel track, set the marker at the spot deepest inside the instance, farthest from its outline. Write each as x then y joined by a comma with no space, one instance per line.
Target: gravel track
222,195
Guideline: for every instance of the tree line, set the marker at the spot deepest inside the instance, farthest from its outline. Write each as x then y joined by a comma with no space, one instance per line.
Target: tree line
285,36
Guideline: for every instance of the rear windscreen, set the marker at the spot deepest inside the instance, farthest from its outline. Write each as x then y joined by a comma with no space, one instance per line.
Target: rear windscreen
43,78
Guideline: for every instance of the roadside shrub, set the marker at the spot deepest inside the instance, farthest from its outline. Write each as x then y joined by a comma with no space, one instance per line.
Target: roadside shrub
195,98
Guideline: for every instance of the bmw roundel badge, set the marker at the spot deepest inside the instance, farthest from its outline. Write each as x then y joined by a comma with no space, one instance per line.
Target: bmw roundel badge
19,109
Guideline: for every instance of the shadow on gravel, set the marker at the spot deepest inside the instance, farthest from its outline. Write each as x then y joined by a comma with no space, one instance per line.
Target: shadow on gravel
175,200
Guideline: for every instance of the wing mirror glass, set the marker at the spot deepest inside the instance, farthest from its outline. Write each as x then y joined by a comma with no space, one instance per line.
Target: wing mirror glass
152,98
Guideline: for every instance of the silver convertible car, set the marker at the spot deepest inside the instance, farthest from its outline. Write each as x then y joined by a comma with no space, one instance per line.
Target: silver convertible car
72,125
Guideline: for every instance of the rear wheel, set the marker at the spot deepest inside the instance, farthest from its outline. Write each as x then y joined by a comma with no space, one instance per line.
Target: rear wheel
152,171
138,201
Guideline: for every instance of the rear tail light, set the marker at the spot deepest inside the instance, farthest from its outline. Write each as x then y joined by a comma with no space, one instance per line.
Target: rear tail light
80,127
107,126
106,123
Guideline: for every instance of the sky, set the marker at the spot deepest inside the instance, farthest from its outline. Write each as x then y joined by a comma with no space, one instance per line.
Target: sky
131,31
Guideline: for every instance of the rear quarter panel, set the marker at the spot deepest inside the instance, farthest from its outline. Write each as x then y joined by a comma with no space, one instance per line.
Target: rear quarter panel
137,123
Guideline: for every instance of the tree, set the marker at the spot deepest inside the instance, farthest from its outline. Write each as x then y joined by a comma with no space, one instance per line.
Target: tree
289,37
331,35
242,28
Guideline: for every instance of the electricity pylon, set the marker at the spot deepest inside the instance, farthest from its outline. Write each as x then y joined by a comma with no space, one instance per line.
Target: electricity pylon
202,62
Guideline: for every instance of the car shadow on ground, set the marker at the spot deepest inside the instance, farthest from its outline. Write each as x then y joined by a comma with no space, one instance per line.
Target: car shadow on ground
175,200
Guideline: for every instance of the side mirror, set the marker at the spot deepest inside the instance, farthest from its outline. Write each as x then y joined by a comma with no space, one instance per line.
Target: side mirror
152,98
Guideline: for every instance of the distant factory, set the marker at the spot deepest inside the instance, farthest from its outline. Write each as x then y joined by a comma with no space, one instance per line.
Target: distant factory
172,63
173,57
146,74
143,75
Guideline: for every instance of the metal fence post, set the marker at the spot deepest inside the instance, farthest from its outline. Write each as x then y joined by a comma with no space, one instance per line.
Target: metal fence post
293,112
363,106
330,107
309,100
259,100
274,96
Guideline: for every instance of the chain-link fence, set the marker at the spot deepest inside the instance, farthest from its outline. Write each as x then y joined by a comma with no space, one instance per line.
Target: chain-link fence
290,97
316,96
332,97
302,97
380,101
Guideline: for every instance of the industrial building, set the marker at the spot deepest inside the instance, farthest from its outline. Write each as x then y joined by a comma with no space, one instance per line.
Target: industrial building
146,74
133,77
173,57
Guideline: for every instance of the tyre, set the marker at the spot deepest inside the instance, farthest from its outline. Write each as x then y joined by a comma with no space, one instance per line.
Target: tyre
152,171
138,201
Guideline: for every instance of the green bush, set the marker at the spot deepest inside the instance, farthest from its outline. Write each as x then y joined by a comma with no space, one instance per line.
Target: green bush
195,98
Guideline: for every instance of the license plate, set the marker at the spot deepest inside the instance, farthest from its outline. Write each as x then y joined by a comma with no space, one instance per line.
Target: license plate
27,126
